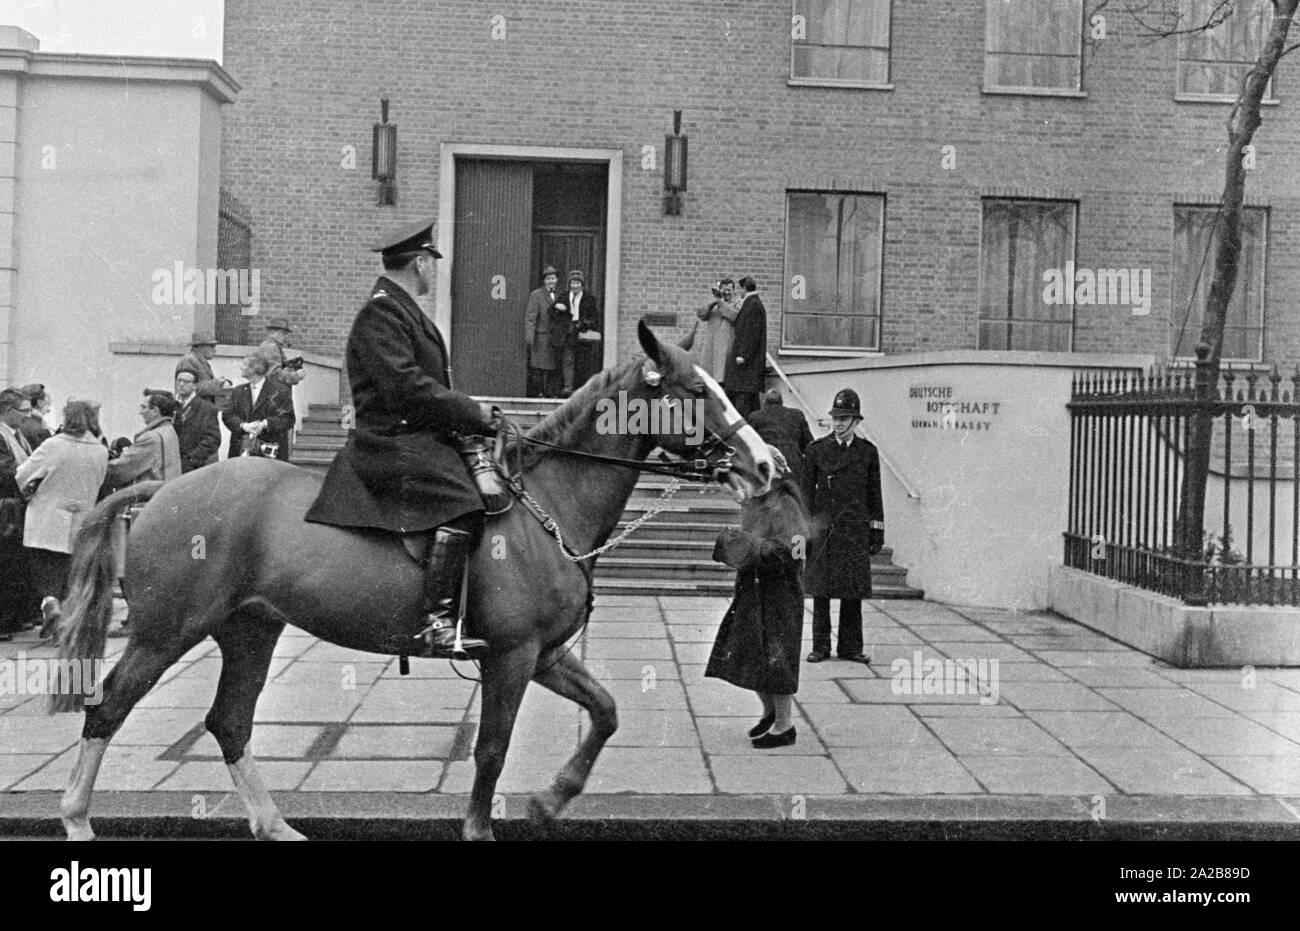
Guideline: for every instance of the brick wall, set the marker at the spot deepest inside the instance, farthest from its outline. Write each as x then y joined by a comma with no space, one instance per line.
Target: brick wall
609,74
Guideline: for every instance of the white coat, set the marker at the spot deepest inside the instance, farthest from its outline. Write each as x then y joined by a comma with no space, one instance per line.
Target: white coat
70,469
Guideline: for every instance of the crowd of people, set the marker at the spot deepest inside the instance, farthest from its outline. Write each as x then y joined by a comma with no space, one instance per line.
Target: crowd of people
52,476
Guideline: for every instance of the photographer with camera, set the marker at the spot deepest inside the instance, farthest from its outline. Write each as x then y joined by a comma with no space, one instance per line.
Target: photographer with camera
288,371
261,414
710,342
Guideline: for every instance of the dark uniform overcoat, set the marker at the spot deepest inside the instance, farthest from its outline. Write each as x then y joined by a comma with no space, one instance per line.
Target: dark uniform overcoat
787,430
758,644
397,471
841,489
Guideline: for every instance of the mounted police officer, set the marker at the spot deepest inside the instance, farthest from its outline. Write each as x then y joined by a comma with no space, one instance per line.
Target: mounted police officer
841,489
400,470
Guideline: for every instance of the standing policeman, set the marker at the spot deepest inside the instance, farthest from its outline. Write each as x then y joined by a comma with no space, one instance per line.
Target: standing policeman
841,487
399,471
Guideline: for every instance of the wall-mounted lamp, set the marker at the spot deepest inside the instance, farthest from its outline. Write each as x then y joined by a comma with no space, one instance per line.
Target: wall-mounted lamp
674,167
384,166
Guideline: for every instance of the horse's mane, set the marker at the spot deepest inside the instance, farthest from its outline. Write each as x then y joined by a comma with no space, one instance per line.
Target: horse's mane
561,425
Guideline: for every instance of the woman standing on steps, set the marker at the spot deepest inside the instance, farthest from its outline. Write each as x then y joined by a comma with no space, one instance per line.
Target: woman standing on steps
759,642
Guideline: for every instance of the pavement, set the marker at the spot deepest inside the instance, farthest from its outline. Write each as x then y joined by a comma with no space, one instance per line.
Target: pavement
1086,738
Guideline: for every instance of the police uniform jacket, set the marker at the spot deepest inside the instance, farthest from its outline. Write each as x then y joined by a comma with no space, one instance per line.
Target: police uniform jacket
841,488
397,471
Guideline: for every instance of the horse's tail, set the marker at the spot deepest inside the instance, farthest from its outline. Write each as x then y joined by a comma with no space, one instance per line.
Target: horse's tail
88,609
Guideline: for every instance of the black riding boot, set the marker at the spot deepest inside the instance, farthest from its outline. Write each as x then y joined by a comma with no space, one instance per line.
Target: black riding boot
444,575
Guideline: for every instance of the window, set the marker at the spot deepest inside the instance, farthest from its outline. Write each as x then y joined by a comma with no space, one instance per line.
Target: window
1033,45
1021,242
1243,330
1213,63
840,41
832,270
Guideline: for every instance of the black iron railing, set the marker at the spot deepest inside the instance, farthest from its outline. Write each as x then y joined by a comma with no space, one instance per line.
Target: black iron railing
1134,441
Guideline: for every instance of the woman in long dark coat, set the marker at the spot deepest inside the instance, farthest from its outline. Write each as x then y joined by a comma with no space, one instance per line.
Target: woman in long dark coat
759,641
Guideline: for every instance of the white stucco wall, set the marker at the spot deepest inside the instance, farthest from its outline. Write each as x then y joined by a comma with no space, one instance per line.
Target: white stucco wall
992,478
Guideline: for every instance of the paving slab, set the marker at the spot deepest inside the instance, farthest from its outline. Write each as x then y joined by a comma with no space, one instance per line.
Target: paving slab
1148,771
374,776
787,775
1035,775
904,772
1011,737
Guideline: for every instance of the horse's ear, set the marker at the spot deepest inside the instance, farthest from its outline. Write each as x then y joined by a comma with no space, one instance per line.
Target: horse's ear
649,343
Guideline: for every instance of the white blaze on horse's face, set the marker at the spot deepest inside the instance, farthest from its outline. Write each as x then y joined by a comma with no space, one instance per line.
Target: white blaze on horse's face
751,467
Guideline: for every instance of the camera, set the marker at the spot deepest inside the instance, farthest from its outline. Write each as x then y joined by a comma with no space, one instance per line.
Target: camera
716,288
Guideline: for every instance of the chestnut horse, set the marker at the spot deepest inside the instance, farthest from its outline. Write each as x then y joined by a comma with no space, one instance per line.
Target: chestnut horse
224,552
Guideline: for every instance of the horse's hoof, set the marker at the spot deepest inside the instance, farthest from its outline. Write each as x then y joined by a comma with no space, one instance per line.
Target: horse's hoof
485,834
543,808
279,831
78,830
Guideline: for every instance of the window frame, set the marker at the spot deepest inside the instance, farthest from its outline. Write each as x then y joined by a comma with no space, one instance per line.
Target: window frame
788,348
1032,90
1073,257
798,81
1182,96
1175,311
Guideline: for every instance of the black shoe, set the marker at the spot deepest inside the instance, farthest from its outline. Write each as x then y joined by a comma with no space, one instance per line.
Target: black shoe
770,740
856,658
441,644
817,656
761,728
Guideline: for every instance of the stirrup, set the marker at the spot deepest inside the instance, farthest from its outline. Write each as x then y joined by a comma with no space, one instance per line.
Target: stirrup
458,651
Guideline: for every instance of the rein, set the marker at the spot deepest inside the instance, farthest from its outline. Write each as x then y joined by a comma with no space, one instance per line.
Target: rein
703,469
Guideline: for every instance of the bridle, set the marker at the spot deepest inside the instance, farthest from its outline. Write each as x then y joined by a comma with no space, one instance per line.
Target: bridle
714,465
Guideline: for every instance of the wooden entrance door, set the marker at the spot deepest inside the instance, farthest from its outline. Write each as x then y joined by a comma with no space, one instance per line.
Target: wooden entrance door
490,277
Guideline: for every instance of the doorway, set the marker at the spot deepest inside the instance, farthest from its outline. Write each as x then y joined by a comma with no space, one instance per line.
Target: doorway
512,218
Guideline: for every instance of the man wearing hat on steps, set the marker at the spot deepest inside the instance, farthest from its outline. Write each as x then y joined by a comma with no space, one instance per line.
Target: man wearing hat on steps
203,347
277,340
399,471
572,315
537,336
841,489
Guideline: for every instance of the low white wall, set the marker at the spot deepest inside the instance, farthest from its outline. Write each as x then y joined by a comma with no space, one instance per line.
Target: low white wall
991,472
136,366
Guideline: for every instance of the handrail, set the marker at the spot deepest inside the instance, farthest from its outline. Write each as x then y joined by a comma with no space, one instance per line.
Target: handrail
808,411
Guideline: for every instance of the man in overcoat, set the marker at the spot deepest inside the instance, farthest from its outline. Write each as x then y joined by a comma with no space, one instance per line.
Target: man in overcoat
747,363
399,471
155,453
15,593
537,336
196,425
841,488
203,347
785,428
